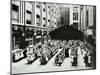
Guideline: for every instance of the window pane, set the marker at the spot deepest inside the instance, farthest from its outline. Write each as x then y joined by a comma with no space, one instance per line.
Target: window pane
28,22
75,16
38,5
15,13
28,17
38,20
14,7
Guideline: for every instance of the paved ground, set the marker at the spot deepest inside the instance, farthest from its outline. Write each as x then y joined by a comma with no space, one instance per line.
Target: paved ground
23,67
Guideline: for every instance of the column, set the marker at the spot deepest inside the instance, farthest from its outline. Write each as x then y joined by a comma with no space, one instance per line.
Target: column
34,37
41,18
33,14
42,41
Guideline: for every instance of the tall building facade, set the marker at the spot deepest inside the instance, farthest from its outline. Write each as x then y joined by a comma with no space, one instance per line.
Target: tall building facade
88,18
32,22
88,23
70,15
81,17
76,17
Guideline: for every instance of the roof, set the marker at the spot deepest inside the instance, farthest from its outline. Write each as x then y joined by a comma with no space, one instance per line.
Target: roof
66,32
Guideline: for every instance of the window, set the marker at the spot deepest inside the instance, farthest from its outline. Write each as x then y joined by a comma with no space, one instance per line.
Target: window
75,25
29,12
44,22
44,9
44,18
44,3
38,16
15,13
48,20
38,5
28,22
38,20
48,6
44,6
75,16
44,25
28,17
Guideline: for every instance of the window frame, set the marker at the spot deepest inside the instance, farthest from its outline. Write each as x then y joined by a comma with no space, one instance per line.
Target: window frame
28,12
15,11
75,16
